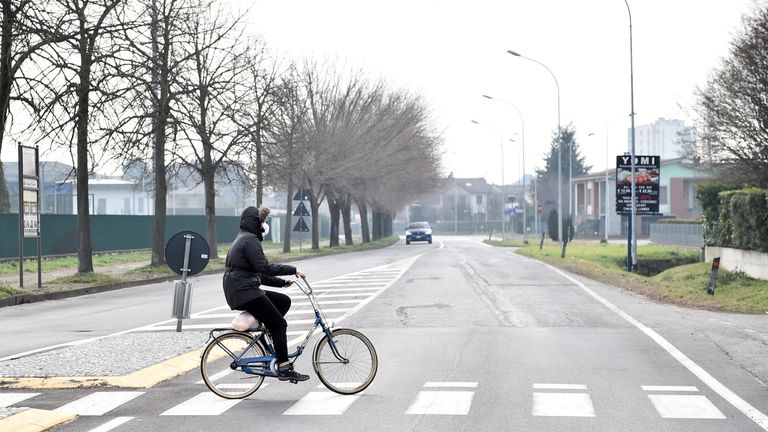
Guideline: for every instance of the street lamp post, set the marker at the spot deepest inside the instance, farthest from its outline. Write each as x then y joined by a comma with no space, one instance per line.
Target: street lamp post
522,130
631,237
501,144
559,149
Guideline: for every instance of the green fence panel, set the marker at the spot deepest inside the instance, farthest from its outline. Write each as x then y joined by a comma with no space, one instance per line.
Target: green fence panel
108,232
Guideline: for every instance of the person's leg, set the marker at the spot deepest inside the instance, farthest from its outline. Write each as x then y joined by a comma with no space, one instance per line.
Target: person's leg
281,301
266,312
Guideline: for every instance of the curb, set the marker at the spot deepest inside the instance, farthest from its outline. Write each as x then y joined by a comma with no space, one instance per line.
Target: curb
34,420
148,377
20,299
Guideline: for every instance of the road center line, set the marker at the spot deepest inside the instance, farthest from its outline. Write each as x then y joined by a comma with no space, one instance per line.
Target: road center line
748,410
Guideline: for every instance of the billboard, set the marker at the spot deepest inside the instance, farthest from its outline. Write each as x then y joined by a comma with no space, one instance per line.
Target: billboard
647,176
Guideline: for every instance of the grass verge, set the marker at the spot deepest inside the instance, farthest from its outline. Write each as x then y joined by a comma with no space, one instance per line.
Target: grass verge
87,279
683,285
6,290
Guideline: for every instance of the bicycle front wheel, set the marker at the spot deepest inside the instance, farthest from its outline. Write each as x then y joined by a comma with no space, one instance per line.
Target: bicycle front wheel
353,369
221,374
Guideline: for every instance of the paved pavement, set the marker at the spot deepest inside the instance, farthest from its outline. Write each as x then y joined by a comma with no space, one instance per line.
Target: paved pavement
469,337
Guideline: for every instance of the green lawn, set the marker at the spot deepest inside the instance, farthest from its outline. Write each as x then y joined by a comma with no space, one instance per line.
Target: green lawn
684,284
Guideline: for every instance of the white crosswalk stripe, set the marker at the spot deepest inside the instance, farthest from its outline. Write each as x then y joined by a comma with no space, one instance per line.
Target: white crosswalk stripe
108,426
560,404
8,399
443,402
204,404
682,406
98,403
322,403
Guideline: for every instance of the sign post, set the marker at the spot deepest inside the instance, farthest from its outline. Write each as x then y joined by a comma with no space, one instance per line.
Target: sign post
713,276
301,211
647,173
29,207
187,254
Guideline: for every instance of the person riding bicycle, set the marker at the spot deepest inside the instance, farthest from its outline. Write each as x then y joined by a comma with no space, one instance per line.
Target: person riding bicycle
247,268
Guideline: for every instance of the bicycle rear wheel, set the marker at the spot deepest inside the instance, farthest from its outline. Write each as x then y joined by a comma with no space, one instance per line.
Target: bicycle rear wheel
217,361
355,372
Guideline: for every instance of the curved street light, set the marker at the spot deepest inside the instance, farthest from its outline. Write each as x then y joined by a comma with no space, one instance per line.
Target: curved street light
632,238
559,149
501,144
522,129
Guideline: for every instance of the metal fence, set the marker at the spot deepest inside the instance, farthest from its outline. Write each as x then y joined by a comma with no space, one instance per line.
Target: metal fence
678,234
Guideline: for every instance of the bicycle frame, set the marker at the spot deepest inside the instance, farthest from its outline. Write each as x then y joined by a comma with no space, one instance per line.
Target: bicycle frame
266,365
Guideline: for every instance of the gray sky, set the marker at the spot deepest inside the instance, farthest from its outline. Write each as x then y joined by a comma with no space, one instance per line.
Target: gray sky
453,52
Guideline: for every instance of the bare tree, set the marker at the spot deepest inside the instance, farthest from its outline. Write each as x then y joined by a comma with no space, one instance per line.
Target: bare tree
213,77
153,68
733,108
79,91
27,28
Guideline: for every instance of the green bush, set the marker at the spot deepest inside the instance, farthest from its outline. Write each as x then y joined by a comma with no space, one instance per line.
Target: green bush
735,218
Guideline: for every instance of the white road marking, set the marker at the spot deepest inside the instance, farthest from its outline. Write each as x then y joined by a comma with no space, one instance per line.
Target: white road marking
98,403
8,399
685,407
108,426
322,403
345,289
740,404
670,388
442,403
559,386
451,384
562,405
204,404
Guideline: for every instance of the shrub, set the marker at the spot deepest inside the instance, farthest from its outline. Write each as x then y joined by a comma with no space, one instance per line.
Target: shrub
736,218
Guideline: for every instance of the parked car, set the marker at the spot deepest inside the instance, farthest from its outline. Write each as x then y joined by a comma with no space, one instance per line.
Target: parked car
418,231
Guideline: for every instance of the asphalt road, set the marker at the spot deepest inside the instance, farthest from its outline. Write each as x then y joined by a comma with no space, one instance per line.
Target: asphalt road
469,338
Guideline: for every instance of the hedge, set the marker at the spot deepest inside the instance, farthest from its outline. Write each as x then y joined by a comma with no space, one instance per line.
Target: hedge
735,218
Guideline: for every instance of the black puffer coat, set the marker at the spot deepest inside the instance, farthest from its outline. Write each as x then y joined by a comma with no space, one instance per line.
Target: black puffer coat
246,262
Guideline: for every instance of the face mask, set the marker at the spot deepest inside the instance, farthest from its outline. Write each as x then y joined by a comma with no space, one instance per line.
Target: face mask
264,229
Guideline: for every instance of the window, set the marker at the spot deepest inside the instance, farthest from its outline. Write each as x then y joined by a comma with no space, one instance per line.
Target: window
141,205
126,206
479,199
102,206
662,195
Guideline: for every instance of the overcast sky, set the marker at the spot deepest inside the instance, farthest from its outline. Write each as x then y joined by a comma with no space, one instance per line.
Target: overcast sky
453,52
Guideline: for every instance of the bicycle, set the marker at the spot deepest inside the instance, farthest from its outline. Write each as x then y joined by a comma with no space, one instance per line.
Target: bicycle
234,364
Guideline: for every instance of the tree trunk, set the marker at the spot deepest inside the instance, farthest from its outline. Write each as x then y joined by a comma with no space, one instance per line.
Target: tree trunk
335,209
314,207
159,122
288,216
376,225
346,216
259,170
84,247
6,80
210,210
364,227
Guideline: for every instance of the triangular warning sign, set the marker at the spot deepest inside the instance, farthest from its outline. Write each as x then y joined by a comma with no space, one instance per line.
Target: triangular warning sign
301,226
301,210
300,195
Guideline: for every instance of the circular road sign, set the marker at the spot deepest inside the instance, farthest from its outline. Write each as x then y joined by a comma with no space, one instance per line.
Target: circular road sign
198,252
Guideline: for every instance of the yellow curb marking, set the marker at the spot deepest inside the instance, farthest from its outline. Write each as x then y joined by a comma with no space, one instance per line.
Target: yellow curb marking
34,420
144,378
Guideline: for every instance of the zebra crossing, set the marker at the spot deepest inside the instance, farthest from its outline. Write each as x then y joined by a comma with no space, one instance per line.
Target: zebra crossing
339,297
432,399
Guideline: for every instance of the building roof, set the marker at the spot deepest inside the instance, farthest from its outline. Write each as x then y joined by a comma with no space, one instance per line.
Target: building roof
612,171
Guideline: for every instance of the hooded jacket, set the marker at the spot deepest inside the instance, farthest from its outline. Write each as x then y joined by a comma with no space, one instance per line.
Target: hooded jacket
247,266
